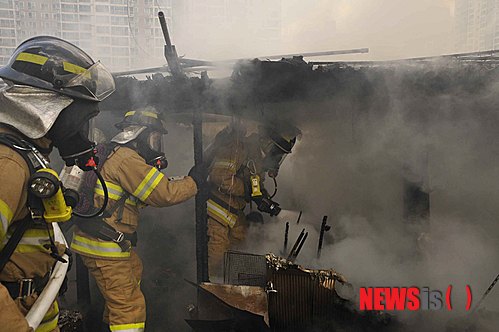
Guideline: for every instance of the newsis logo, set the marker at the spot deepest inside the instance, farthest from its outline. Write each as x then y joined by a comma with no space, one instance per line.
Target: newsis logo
408,298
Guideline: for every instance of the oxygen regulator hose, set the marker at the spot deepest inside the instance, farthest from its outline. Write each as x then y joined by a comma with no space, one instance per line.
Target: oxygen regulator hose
106,199
275,188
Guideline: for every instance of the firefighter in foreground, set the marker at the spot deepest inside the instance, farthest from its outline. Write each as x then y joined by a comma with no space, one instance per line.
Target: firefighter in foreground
53,89
238,164
131,166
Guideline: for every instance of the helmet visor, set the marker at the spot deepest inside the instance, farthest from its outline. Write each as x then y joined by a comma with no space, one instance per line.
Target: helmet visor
97,80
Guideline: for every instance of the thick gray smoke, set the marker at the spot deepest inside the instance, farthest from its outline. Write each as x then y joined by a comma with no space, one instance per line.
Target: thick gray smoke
351,164
432,125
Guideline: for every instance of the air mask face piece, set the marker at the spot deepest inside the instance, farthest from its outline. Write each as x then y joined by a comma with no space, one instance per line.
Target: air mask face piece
155,141
273,159
69,135
150,146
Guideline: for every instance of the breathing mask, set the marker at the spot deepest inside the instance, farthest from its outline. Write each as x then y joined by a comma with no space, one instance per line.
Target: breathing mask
150,147
275,148
144,130
69,134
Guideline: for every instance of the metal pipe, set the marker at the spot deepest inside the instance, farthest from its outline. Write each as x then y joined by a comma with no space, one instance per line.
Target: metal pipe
201,197
494,282
300,246
170,52
324,228
296,244
166,34
299,217
286,236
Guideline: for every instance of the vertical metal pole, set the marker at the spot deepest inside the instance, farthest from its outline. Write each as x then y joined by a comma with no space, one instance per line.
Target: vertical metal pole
286,236
321,236
201,218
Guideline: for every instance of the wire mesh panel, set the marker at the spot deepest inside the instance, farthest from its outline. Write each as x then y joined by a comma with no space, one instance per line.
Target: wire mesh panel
245,269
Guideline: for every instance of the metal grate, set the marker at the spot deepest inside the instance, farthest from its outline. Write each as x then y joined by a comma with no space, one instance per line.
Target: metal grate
299,302
245,269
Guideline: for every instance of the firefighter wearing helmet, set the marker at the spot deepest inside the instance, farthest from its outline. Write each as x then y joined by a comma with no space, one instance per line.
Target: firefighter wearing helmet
131,167
53,89
238,164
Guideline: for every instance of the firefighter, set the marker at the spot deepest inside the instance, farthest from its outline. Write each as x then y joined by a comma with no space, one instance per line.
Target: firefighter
132,172
53,89
236,174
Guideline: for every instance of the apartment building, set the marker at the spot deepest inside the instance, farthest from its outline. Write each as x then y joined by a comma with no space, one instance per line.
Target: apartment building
476,25
121,33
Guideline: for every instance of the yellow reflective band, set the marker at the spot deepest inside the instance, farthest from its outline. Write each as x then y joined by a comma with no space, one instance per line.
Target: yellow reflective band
28,248
133,201
72,68
37,233
5,218
50,319
33,240
32,58
218,212
48,326
147,185
225,164
115,192
130,201
110,194
112,186
105,249
134,327
149,114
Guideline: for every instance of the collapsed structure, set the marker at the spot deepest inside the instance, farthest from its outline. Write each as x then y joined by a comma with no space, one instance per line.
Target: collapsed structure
270,293
303,93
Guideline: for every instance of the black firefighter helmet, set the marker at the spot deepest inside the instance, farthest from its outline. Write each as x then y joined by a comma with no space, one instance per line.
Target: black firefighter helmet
54,64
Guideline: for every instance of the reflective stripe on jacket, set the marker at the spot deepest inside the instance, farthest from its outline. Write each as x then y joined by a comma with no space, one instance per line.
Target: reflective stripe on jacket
228,176
125,171
31,258
221,214
134,327
49,321
86,245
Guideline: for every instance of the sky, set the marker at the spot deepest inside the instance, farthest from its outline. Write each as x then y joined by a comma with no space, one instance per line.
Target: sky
390,28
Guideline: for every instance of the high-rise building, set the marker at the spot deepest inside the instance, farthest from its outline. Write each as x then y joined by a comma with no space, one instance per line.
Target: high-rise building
227,28
126,34
121,33
476,25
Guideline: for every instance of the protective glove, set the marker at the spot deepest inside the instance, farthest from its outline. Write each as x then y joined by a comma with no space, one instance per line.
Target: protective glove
199,173
254,217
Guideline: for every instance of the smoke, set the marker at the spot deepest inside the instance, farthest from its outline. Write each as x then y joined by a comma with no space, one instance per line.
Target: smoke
238,29
435,126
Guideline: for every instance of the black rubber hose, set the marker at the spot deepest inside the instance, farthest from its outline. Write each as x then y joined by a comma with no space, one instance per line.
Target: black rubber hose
106,199
275,188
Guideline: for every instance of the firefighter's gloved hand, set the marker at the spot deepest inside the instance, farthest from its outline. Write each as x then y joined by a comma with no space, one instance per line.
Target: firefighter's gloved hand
199,173
254,217
265,204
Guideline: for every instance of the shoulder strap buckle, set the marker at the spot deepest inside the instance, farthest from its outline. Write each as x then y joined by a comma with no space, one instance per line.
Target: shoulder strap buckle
36,216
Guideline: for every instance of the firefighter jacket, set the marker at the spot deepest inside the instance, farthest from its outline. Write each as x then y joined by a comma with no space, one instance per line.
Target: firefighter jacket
234,161
126,173
31,258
